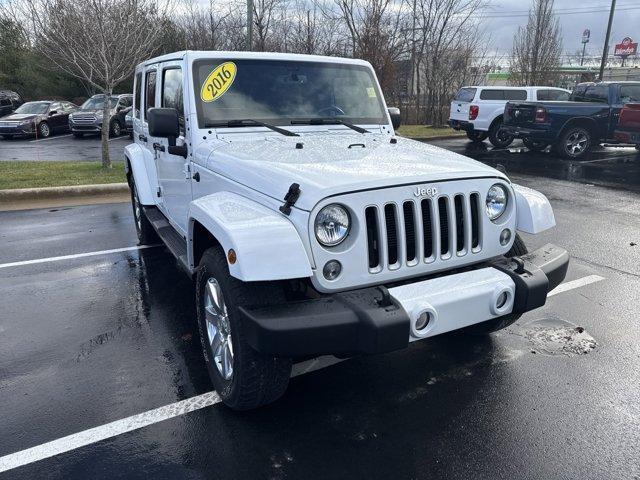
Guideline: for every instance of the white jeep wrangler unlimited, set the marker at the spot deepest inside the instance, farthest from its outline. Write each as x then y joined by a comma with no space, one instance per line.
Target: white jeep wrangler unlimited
278,183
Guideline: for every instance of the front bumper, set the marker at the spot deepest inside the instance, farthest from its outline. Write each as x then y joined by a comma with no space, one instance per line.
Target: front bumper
93,128
377,320
17,130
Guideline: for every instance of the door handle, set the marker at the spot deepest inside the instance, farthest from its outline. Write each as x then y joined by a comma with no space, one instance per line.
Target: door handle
142,138
158,147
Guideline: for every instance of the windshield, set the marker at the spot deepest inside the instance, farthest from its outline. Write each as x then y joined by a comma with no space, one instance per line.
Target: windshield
96,103
33,108
277,92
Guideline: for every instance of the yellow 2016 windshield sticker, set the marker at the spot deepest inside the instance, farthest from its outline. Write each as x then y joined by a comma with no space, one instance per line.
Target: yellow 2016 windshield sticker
218,82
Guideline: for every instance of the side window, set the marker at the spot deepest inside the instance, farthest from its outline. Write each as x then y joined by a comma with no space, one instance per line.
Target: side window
515,94
629,93
552,95
172,92
136,96
5,102
597,93
492,95
150,91
126,102
57,107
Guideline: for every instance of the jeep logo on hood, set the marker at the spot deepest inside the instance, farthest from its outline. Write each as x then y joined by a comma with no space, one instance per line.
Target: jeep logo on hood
426,192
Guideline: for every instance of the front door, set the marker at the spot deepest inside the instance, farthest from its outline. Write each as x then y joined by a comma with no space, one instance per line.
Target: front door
174,176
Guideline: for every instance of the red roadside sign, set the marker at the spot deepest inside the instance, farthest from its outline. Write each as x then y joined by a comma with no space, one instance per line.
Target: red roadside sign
626,48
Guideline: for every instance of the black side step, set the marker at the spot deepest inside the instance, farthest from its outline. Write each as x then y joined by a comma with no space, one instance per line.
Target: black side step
176,244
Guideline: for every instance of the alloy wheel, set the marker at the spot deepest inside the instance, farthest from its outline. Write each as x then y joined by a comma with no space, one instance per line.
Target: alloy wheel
218,328
44,130
576,143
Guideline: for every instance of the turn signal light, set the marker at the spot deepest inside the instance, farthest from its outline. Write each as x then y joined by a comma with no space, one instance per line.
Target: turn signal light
473,112
541,115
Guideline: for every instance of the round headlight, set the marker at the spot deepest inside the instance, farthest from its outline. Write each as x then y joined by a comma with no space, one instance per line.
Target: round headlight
332,225
496,201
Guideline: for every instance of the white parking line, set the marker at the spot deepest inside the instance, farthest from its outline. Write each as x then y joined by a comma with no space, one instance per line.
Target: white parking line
76,255
173,410
49,138
580,282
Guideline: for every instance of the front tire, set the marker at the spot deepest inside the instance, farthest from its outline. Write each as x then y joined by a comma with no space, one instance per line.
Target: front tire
477,136
517,249
498,136
243,378
574,143
116,129
145,231
43,130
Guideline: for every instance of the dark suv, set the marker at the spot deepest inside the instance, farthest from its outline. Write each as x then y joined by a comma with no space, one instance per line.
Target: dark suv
89,118
9,101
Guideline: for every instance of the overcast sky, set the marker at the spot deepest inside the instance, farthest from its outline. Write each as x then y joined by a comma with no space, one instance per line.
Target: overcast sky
626,22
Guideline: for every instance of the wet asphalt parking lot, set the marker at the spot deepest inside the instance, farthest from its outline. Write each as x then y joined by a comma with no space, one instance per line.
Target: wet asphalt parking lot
100,360
60,148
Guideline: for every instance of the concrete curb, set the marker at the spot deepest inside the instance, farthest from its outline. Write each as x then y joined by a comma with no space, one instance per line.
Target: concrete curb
29,198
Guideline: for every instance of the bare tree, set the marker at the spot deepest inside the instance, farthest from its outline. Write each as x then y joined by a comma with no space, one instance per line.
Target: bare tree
98,41
537,47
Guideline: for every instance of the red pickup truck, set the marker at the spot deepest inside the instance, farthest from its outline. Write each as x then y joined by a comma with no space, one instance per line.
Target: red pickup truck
628,130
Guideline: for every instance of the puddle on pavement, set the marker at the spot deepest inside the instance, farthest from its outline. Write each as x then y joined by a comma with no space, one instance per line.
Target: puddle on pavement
555,336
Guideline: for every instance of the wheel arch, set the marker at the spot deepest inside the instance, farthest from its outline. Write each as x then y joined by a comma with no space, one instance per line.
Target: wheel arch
584,122
134,165
266,244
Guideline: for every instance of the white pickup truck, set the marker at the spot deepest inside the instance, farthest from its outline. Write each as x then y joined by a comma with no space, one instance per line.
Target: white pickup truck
310,228
478,110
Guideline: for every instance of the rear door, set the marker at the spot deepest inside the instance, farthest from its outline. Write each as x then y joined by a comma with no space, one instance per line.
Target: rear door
623,94
460,104
173,170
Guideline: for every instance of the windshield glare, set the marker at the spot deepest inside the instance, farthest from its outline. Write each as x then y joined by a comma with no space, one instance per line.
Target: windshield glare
278,92
97,103
33,108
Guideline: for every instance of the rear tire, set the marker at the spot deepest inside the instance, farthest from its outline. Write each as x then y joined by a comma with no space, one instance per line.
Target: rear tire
498,137
477,135
574,143
517,249
115,130
253,379
533,145
145,231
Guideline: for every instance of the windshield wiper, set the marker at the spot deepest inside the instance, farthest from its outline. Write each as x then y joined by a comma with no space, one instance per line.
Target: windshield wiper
329,121
248,122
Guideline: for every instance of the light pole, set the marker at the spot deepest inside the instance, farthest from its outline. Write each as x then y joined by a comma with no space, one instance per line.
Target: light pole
605,52
249,25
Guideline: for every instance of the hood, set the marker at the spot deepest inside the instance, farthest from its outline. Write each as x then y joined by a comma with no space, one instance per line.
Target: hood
88,110
335,163
16,117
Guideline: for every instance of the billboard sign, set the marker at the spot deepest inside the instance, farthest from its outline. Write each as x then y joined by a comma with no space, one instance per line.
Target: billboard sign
626,49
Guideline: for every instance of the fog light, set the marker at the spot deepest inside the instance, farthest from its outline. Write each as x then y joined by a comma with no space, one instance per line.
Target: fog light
502,300
332,269
505,236
423,320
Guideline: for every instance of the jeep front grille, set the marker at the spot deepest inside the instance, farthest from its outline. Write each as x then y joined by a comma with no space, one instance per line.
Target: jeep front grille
428,230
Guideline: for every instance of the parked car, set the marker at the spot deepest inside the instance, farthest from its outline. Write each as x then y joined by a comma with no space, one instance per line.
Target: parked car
628,130
9,101
478,110
40,118
572,127
310,227
89,118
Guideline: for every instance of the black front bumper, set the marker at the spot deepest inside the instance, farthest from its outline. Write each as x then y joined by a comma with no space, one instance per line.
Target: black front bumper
369,321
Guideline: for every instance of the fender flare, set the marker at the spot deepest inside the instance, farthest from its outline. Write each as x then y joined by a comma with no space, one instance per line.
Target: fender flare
533,211
267,245
135,164
595,129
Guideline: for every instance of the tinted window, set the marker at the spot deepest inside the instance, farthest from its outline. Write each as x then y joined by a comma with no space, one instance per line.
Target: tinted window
552,95
465,95
515,94
125,101
150,91
629,93
5,102
492,95
137,94
172,92
56,106
597,93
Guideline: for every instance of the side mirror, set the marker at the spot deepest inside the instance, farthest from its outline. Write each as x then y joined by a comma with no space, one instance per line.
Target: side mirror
53,112
396,119
164,123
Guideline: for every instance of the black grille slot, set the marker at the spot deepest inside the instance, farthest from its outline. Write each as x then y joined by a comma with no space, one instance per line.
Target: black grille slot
392,233
475,228
443,211
373,242
459,210
410,230
427,230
